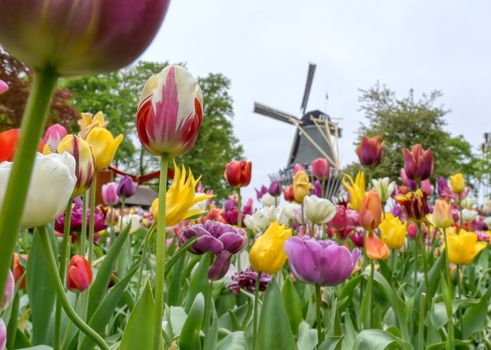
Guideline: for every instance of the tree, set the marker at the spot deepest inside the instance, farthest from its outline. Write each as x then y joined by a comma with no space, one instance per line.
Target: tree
404,122
19,77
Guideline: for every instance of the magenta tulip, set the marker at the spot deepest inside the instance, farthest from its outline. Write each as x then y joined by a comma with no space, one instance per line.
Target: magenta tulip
109,193
321,168
418,163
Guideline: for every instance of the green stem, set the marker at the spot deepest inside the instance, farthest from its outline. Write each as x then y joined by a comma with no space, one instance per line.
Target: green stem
63,263
421,326
93,187
60,290
12,325
423,256
416,243
370,292
239,223
161,250
318,301
83,229
208,305
144,254
111,225
33,122
254,313
448,300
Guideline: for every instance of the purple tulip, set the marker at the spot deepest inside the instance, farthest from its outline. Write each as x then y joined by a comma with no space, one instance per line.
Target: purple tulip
358,238
397,210
261,192
275,189
317,191
323,263
8,294
219,239
3,335
109,193
231,212
247,280
443,188
126,187
76,221
406,181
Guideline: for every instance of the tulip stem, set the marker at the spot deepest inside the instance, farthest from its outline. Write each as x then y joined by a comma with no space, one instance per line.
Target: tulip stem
33,122
83,229
448,299
161,251
423,256
60,290
254,313
63,262
239,223
93,187
370,292
318,301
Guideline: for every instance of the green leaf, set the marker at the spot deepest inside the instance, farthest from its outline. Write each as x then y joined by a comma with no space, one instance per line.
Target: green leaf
138,333
199,280
41,291
190,334
274,329
179,254
307,337
376,339
212,331
38,347
330,343
293,304
99,288
346,293
438,315
233,341
474,318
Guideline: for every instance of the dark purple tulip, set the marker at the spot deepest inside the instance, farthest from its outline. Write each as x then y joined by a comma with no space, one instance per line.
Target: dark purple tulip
79,37
231,212
247,280
76,222
261,192
323,263
126,187
418,162
443,188
358,238
317,191
275,189
397,210
406,181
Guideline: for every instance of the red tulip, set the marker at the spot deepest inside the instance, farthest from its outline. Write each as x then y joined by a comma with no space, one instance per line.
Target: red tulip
238,173
321,168
289,194
8,141
79,274
370,151
19,270
418,163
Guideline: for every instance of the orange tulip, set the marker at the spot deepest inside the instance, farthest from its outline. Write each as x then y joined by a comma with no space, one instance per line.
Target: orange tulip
376,248
8,141
370,211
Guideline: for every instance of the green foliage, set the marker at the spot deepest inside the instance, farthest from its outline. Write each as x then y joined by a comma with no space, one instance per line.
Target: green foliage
404,122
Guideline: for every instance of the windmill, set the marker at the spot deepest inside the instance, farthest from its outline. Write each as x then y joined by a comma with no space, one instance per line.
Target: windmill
316,136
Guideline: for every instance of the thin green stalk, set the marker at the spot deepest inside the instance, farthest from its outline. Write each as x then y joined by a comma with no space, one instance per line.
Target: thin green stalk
318,301
93,188
111,225
144,254
63,263
461,293
33,122
12,325
416,261
208,304
423,256
448,300
83,229
161,251
421,326
370,292
254,313
239,223
60,290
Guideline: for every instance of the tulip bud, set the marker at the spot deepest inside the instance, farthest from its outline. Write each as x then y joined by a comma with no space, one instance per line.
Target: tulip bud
238,173
458,183
442,214
3,335
358,238
469,215
393,231
104,146
463,247
8,142
376,248
261,192
52,137
321,168
261,219
317,189
19,270
8,293
297,167
170,112
370,211
88,121
384,188
275,189
301,186
288,194
109,193
79,274
84,161
126,187
370,151
3,87
418,163
318,210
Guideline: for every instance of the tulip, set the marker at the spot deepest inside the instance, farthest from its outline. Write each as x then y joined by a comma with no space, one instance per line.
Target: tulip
317,189
77,219
370,151
109,193
231,212
301,186
246,280
219,239
267,253
376,248
3,335
51,187
469,215
261,219
180,198
275,189
261,192
132,220
88,121
356,189
406,181
126,187
170,112
19,271
457,182
323,263
53,136
238,173
318,210
321,168
468,202
463,247
418,163
486,207
442,214
414,204
268,200
297,167
358,238
8,142
291,212
393,231
370,211
384,188
104,146
4,87
8,293
79,38
443,189
288,194
79,274
84,161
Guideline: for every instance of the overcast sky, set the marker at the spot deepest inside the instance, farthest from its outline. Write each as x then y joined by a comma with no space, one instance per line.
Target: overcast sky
265,46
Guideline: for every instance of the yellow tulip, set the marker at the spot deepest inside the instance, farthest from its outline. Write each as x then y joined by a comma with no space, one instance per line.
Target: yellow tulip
442,214
267,253
457,182
393,231
88,121
104,146
301,186
356,189
180,198
463,247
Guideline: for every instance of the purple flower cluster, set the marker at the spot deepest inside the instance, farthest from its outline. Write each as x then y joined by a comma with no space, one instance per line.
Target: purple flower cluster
247,280
76,222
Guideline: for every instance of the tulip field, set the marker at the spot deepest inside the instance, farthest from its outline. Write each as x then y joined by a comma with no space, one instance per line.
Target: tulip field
380,263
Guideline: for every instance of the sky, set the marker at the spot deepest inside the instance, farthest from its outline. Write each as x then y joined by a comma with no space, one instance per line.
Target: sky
265,46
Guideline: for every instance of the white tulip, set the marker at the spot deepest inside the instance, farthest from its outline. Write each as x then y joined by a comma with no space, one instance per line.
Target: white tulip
134,220
384,188
468,215
290,212
468,202
261,219
318,210
486,207
268,200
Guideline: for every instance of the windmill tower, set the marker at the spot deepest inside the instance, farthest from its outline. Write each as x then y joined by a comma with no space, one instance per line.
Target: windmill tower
316,135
